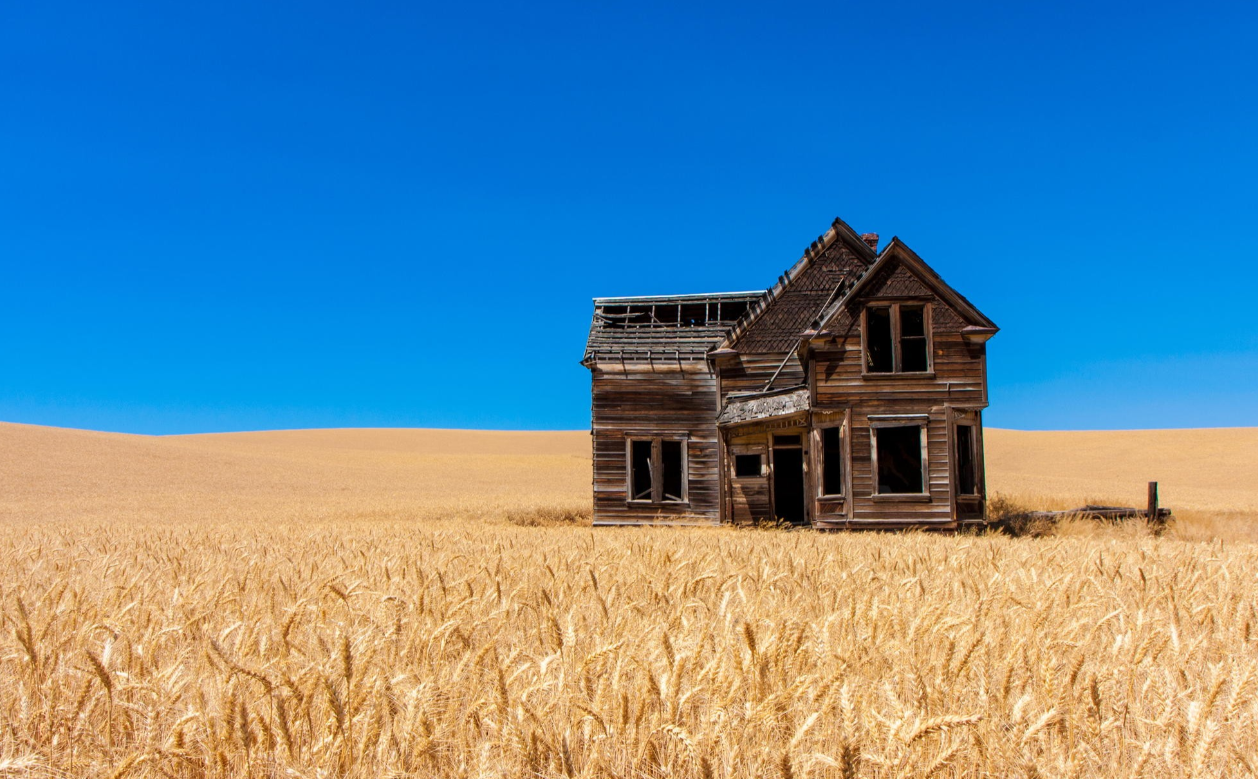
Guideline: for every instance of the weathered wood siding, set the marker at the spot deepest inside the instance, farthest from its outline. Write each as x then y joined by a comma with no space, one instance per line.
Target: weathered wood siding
751,372
748,496
669,400
959,380
749,499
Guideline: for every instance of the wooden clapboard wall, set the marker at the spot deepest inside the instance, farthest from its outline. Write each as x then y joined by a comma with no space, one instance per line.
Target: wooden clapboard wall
676,400
959,381
665,366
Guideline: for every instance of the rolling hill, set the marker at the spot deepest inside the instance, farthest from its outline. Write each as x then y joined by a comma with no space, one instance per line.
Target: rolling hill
61,474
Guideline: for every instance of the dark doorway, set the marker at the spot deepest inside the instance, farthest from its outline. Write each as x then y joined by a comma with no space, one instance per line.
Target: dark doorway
788,484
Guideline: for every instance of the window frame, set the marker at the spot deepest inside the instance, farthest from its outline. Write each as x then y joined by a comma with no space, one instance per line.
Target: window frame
657,467
897,357
819,428
922,423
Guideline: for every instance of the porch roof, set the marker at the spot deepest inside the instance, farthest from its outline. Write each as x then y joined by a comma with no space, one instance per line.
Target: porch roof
764,405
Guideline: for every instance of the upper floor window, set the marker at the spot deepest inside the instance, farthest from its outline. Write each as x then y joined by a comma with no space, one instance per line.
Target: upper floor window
897,338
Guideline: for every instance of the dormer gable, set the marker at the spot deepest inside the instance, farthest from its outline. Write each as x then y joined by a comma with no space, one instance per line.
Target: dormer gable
900,274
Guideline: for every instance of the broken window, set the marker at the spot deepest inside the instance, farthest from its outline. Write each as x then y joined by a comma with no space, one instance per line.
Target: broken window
670,458
746,465
832,461
879,357
896,339
898,455
641,471
967,465
657,470
913,355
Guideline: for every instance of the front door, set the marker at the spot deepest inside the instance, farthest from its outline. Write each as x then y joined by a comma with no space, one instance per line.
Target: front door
788,478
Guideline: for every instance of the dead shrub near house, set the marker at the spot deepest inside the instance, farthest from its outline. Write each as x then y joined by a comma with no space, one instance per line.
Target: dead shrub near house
1011,517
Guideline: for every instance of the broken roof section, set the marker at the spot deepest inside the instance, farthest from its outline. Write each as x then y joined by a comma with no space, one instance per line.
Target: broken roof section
764,405
662,327
828,266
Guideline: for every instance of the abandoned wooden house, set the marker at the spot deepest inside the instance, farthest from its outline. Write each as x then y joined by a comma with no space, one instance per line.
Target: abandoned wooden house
848,395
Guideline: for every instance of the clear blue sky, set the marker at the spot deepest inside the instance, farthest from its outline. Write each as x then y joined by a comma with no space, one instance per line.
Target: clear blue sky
250,215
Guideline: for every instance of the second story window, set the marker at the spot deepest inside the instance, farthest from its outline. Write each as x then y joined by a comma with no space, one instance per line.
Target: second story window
897,339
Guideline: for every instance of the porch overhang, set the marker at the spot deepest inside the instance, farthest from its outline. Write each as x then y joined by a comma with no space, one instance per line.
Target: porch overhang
762,406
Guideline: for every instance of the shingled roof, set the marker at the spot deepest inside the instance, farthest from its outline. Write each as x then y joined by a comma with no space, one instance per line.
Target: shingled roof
663,327
898,252
831,264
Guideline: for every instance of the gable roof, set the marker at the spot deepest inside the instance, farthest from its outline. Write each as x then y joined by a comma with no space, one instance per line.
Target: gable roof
804,300
794,307
897,250
662,327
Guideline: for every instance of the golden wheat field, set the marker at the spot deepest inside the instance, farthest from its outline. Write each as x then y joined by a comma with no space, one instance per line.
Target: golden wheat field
356,603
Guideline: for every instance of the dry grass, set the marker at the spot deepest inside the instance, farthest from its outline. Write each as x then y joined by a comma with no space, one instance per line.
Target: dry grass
1209,477
300,605
71,475
371,649
1201,470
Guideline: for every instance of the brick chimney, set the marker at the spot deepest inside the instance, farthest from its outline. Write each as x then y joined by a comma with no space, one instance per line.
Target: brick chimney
871,239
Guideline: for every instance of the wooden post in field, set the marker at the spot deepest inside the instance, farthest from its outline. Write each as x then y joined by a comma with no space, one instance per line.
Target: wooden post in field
1153,501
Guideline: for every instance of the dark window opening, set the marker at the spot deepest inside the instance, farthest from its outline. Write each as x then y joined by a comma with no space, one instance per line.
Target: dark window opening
832,461
657,470
640,477
786,440
897,339
899,460
671,463
913,356
746,465
878,340
967,470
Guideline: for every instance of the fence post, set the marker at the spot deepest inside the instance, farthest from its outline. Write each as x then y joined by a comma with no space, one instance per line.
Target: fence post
1153,501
